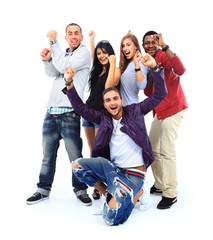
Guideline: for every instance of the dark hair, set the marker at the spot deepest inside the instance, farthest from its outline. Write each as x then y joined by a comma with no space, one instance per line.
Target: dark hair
97,67
123,60
73,24
147,34
109,90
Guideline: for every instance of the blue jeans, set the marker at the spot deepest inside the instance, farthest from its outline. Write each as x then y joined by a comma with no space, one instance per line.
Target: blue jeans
123,185
86,123
56,127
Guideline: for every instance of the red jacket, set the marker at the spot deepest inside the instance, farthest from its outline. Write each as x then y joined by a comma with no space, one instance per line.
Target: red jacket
175,100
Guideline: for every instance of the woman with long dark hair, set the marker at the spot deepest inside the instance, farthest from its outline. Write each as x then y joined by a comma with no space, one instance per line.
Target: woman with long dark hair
101,76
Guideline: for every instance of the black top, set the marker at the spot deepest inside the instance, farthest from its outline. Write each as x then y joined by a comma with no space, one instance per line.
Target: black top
95,99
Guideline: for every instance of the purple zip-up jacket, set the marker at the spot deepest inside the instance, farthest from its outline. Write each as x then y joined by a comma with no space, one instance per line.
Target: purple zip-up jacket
132,119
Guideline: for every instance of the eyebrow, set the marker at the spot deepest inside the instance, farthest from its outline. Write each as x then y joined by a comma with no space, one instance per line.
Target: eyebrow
74,32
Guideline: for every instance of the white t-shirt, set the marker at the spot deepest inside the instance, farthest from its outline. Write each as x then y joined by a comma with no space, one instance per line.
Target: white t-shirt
123,150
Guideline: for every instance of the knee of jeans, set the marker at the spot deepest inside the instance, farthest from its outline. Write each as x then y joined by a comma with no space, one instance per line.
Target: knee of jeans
76,166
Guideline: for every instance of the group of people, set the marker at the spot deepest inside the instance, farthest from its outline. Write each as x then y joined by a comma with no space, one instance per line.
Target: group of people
113,119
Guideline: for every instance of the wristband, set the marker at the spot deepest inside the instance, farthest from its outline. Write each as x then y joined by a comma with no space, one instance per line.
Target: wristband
53,42
137,69
68,83
50,60
164,49
154,68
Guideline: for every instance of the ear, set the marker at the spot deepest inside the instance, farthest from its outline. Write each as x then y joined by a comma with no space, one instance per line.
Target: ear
122,101
66,38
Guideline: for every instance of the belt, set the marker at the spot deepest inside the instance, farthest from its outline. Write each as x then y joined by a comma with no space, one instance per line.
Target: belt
64,114
133,171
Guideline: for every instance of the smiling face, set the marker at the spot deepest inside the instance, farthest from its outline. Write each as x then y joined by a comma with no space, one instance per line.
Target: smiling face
113,104
102,56
73,37
150,45
128,48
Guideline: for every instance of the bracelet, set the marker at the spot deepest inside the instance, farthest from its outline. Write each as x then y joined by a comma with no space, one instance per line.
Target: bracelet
68,83
164,49
154,68
137,69
50,60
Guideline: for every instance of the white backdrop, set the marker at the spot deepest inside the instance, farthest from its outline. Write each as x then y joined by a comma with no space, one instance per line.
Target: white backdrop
187,28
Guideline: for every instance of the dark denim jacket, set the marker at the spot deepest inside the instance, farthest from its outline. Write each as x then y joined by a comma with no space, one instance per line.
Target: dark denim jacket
132,119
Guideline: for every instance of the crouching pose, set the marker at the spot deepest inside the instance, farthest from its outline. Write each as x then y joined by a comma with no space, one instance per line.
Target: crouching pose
121,130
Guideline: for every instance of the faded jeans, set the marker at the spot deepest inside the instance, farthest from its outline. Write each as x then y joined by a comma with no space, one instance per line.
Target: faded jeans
120,184
56,127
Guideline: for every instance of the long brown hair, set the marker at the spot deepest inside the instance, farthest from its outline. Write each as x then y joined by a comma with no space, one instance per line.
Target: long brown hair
123,60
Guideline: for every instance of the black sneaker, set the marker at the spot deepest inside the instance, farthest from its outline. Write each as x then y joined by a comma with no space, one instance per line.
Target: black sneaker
155,190
166,203
36,197
85,199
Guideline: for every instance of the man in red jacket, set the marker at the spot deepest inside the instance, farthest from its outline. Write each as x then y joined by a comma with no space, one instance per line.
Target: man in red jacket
167,118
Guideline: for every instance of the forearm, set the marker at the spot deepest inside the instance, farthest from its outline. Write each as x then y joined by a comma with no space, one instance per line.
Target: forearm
82,109
110,82
92,49
168,51
139,74
159,92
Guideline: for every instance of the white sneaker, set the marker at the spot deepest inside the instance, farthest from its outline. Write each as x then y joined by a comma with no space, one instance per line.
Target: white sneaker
99,209
144,199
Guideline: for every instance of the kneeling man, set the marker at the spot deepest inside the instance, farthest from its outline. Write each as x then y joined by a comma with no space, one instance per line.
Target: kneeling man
122,130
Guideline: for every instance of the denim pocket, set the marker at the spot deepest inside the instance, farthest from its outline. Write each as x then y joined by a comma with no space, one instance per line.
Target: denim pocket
72,118
46,116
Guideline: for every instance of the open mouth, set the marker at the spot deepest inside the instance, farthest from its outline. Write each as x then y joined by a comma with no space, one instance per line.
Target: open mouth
127,54
113,108
103,59
151,51
74,42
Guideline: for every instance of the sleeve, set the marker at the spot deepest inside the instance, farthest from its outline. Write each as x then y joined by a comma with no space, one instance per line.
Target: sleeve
159,94
82,109
50,69
175,65
78,60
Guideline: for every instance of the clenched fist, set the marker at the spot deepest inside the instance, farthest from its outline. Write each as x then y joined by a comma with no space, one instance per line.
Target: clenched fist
46,54
148,61
52,35
69,73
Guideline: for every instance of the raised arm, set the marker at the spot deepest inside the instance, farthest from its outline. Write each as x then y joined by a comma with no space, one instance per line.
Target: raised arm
139,74
92,44
50,70
114,74
173,60
160,88
82,109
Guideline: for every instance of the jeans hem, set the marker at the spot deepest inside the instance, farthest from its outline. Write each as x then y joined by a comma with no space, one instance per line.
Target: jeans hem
43,191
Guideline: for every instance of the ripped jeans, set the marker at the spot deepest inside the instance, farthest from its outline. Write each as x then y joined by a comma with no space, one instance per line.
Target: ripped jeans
123,185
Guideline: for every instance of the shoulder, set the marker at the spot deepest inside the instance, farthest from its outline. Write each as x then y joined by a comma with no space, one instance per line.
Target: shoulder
81,50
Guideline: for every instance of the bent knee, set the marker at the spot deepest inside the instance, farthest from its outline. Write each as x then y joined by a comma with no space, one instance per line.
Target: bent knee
76,165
